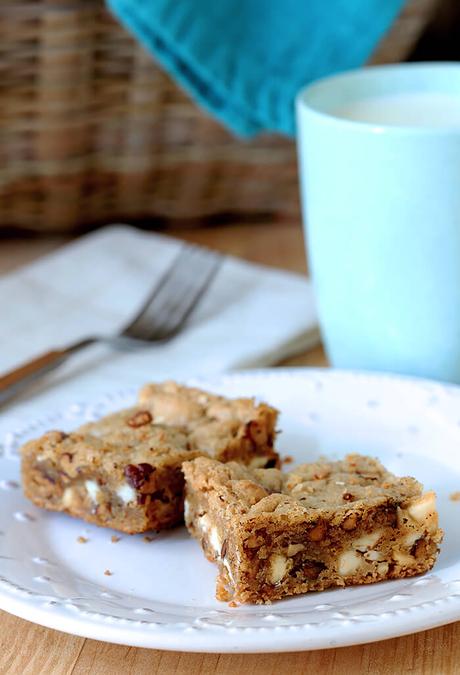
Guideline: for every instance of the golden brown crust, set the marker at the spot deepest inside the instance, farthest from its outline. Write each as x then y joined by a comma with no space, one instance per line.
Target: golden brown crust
124,471
323,524
220,427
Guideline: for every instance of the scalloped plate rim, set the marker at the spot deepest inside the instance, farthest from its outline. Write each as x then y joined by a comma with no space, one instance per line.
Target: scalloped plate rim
218,638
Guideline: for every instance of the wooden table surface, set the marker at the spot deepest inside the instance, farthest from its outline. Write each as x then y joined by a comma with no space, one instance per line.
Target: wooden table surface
30,649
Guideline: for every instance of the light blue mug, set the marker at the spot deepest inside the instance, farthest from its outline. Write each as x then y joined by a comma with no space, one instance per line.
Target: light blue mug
382,218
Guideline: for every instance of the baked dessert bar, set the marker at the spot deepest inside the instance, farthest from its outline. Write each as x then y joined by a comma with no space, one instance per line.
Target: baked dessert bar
124,471
325,524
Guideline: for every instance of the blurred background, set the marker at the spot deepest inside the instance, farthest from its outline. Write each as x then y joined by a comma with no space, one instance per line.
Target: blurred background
92,131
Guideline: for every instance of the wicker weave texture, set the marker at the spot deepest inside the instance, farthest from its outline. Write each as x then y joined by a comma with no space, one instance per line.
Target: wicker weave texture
92,131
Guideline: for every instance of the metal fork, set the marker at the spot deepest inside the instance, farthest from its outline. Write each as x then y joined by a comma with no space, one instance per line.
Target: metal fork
161,317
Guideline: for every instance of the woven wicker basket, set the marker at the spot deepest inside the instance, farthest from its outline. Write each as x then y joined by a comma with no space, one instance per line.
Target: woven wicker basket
92,131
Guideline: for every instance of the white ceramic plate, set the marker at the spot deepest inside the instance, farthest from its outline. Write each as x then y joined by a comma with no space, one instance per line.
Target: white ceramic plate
161,592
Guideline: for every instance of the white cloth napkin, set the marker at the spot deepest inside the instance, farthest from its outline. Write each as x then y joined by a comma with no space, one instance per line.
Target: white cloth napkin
251,315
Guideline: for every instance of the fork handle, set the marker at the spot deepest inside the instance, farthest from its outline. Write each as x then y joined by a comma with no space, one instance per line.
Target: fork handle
19,379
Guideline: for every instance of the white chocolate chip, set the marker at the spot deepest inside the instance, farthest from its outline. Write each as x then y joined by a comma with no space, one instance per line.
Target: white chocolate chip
423,511
186,510
349,563
367,541
214,540
278,568
126,493
403,558
382,568
422,507
294,548
420,511
92,489
204,523
411,538
226,564
68,496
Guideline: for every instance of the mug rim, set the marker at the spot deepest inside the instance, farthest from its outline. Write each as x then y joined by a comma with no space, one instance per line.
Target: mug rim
374,73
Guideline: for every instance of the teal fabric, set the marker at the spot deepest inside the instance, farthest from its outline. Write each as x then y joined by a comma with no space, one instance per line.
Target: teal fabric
245,60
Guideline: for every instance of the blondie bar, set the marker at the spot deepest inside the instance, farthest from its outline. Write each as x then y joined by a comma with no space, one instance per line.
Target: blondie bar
124,471
325,524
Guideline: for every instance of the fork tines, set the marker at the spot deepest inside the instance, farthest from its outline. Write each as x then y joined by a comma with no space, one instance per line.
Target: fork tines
178,292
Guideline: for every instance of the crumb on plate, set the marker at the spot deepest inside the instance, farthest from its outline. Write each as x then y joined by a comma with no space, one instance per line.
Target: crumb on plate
114,539
108,573
82,540
455,497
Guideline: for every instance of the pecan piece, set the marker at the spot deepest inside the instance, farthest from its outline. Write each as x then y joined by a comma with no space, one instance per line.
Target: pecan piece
139,419
391,516
312,569
138,474
307,569
318,532
161,496
419,549
350,522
